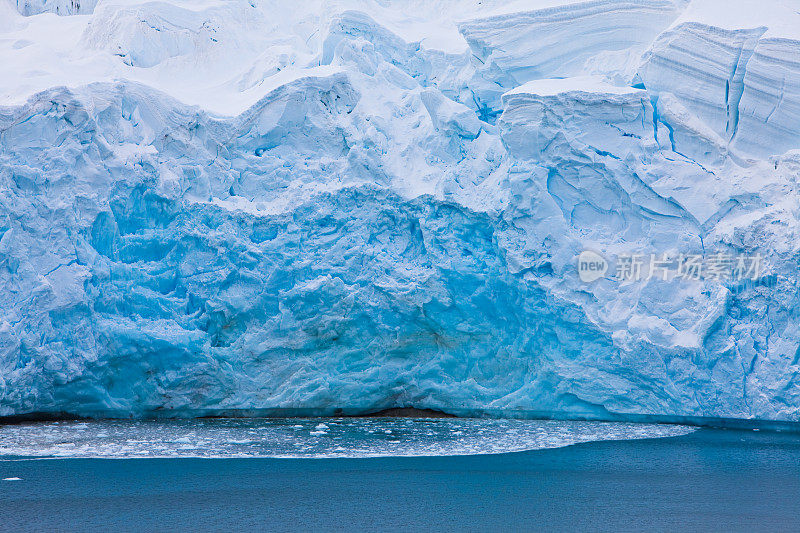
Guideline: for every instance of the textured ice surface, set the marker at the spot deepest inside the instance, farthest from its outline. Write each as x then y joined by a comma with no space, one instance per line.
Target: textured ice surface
59,7
310,437
207,207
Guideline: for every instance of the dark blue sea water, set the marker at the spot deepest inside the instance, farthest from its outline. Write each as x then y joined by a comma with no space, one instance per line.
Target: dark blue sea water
707,480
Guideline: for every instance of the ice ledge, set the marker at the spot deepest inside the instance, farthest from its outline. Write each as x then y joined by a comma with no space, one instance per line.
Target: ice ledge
578,84
783,426
779,16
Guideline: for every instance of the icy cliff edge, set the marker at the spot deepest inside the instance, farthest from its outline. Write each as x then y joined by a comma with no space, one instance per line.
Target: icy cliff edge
205,209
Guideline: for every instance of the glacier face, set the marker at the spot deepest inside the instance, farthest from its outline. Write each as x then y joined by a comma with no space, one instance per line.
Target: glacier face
206,209
58,7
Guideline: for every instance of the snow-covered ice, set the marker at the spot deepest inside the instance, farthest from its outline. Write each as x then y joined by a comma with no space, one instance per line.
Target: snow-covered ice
236,207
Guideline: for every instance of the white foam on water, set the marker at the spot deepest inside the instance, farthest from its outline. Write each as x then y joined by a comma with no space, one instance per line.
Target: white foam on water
310,438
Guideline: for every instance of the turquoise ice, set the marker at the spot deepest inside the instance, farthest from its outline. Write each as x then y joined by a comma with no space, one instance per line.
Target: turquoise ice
208,211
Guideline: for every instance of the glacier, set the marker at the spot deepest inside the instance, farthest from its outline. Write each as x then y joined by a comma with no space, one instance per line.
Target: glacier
324,207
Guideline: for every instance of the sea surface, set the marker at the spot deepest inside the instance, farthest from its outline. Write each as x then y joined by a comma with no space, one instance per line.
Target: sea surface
395,475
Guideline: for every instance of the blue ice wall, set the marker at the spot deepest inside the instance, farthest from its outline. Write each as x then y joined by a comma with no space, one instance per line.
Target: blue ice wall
402,228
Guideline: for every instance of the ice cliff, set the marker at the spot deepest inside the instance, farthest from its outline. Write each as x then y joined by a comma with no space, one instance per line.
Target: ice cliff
246,206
